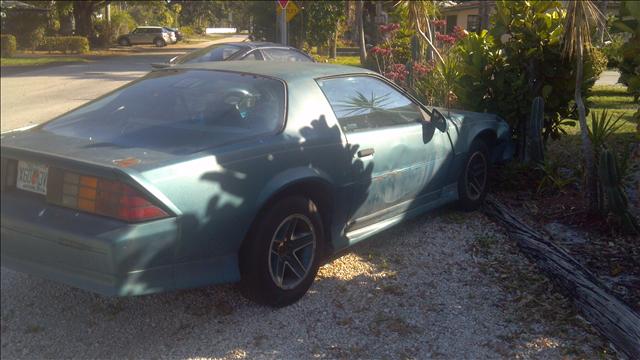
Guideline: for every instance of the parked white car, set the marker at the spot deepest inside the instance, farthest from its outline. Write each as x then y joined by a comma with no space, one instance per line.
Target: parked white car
157,35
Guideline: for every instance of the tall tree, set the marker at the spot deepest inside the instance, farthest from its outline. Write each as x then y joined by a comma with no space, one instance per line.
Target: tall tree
420,13
83,16
581,16
361,42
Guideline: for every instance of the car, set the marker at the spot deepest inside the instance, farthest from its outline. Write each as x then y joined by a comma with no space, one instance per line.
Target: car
214,173
179,36
156,35
262,51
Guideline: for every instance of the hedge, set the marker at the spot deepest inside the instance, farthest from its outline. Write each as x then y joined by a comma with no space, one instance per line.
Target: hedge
7,45
66,44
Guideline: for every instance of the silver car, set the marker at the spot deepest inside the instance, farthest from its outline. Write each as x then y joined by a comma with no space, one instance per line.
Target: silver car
156,35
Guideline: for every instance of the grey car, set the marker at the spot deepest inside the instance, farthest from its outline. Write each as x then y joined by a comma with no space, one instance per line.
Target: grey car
260,51
156,35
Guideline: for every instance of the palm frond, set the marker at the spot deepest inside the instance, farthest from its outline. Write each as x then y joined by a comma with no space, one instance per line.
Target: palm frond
581,16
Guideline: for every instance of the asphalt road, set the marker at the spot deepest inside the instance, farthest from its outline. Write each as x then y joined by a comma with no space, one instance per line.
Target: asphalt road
32,97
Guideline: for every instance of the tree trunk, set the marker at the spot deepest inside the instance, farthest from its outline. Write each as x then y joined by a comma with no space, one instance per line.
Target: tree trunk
430,36
82,14
587,146
333,45
361,42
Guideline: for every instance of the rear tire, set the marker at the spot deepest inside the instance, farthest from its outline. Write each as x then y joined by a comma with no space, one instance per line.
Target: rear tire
474,178
280,258
159,42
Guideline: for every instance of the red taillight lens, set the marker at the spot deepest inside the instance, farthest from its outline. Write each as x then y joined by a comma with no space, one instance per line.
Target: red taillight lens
107,197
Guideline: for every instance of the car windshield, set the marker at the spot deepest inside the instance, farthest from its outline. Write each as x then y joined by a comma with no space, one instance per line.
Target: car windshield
179,111
212,53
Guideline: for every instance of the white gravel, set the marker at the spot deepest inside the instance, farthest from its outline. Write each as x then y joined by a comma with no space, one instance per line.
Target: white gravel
415,291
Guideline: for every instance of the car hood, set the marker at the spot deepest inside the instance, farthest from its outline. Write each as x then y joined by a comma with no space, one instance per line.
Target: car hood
462,117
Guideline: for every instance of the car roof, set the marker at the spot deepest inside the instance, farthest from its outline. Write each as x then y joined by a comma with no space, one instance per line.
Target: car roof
286,71
149,27
256,45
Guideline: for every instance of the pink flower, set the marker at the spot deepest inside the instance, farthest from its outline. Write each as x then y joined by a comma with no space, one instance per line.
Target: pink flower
379,51
439,23
459,33
446,39
422,69
397,73
389,28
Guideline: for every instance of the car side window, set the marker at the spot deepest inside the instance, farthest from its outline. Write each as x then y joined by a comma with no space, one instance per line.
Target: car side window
251,56
364,103
283,55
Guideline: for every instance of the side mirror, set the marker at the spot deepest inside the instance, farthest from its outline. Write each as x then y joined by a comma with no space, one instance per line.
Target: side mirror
160,65
438,120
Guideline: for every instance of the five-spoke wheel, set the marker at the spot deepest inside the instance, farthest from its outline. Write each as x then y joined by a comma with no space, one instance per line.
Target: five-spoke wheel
292,251
280,257
472,183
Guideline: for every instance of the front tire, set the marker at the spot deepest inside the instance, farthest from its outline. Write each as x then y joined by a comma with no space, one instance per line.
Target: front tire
124,42
160,42
280,258
473,181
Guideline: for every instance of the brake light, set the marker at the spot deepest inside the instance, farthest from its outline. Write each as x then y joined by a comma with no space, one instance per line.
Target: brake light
107,197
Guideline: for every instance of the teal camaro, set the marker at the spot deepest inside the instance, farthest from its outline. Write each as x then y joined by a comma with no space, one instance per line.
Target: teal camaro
232,172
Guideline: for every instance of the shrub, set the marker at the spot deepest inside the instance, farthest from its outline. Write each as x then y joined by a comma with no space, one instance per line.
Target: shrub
7,45
188,31
519,59
121,23
33,39
66,44
613,51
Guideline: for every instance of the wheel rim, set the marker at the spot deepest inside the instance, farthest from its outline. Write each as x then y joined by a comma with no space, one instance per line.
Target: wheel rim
476,178
292,251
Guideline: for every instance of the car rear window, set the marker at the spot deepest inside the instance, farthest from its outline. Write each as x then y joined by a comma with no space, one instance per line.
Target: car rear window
179,111
284,55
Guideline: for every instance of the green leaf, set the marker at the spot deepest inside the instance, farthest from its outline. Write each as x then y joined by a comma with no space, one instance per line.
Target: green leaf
546,90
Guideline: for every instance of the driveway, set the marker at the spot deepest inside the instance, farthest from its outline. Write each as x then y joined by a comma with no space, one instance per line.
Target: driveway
421,290
32,97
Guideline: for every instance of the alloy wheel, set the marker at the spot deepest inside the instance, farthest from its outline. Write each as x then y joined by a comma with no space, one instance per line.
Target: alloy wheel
476,178
292,251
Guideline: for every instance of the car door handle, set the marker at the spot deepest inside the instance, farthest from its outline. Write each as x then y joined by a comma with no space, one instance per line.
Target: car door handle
366,152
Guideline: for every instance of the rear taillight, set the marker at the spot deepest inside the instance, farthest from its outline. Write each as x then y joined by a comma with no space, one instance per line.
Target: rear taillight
105,197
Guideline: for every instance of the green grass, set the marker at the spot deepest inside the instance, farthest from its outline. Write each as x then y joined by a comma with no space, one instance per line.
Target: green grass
617,101
614,98
36,61
343,60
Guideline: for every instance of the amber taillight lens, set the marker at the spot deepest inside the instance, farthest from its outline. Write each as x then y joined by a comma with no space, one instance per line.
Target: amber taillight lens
100,196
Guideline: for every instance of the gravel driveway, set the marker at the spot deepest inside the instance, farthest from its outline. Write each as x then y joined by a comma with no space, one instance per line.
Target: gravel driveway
419,290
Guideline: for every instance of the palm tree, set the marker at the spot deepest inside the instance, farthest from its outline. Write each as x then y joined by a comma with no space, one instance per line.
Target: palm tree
581,15
420,11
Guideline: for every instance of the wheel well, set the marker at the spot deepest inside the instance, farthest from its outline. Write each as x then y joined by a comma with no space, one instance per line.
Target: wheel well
490,138
319,192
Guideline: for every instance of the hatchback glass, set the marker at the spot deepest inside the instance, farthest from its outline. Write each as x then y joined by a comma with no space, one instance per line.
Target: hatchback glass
179,111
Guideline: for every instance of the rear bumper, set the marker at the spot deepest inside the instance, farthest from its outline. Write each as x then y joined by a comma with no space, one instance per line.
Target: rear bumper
89,252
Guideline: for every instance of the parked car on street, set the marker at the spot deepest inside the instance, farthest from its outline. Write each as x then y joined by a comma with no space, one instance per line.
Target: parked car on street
217,172
179,36
262,51
156,35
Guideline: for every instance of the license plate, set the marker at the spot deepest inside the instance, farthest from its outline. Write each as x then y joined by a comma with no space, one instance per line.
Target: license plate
32,177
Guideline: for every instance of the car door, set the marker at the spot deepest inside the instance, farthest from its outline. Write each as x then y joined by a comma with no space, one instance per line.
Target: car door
393,136
134,36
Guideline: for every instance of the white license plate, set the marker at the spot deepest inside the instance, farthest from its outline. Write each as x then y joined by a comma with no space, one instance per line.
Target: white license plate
32,177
